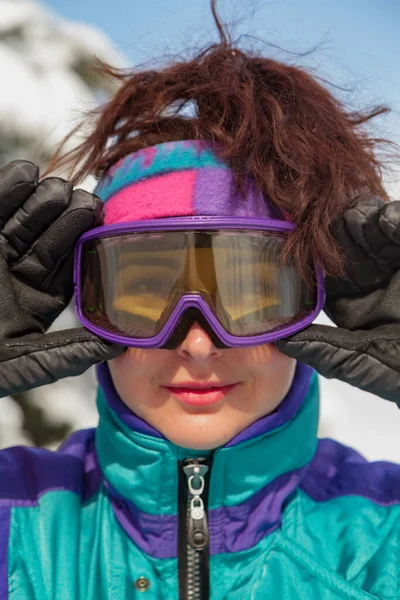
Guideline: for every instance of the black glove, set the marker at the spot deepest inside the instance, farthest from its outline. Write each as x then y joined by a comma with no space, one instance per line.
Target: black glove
365,348
39,226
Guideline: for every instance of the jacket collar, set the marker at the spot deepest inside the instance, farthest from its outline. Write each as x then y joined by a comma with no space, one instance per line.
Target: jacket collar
253,474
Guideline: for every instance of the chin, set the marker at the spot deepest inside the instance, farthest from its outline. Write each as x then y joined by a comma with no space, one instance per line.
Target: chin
201,447
203,443
199,432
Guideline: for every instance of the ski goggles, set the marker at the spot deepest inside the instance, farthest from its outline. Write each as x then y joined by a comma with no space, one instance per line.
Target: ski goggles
135,281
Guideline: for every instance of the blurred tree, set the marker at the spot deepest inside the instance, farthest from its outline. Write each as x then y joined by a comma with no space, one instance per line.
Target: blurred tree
46,67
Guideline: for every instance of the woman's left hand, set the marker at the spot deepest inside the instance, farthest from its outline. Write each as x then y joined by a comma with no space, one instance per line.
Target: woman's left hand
364,349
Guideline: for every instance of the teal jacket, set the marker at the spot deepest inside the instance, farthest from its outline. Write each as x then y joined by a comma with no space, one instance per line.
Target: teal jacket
120,513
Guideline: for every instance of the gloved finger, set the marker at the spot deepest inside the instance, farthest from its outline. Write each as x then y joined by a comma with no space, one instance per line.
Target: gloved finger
50,251
389,221
382,233
51,197
307,344
36,360
360,358
375,226
18,180
61,282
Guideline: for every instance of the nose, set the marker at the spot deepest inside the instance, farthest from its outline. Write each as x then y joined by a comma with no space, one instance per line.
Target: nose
198,345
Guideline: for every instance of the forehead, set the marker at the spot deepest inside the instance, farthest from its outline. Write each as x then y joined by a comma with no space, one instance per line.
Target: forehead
207,191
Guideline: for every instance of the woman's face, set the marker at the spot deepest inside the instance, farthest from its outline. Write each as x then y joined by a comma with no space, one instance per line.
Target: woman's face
166,388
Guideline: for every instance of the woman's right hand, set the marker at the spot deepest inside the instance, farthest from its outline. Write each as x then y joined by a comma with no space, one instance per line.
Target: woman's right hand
40,224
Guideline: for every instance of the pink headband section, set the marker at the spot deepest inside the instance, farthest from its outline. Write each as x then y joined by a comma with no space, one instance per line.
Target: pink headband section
163,196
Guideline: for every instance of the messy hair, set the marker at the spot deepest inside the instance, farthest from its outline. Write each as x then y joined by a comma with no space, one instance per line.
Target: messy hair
270,121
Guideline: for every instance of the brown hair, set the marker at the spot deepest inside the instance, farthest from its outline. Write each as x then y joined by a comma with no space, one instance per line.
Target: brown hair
271,121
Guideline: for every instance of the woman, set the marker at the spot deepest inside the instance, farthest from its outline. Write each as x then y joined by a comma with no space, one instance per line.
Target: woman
197,285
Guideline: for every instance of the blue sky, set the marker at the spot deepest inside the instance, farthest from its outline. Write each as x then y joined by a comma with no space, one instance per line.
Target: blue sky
360,38
360,41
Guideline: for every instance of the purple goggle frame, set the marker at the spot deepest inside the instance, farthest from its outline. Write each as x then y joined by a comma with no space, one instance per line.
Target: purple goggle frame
192,300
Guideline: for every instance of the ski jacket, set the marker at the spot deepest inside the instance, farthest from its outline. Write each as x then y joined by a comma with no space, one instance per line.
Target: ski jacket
119,513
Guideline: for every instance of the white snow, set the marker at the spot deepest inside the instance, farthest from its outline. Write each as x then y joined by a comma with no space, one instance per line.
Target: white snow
43,94
11,432
17,13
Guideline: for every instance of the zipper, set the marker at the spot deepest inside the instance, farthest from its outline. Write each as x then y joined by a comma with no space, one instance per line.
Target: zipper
194,537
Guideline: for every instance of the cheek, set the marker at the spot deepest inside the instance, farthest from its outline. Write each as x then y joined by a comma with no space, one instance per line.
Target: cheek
136,366
265,358
270,369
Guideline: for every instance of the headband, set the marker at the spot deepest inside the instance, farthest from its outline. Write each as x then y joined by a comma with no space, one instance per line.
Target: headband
182,178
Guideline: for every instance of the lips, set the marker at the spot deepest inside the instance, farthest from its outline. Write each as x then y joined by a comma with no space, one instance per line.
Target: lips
200,394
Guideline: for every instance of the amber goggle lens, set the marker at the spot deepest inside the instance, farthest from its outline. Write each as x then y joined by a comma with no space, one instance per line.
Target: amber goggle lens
131,283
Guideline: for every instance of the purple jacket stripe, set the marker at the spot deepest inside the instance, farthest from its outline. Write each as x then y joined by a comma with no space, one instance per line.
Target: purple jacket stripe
81,444
28,473
239,527
340,471
154,534
4,535
335,471
230,528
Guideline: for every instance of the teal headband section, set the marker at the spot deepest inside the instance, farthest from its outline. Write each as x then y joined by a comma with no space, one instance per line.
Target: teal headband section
158,160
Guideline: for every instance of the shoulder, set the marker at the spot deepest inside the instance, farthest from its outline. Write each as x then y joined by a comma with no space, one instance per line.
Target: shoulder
339,471
346,516
26,473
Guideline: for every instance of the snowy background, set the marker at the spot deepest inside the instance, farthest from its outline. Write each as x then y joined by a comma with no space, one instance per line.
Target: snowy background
45,68
47,84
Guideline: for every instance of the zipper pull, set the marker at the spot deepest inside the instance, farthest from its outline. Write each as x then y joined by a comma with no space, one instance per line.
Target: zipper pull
198,535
